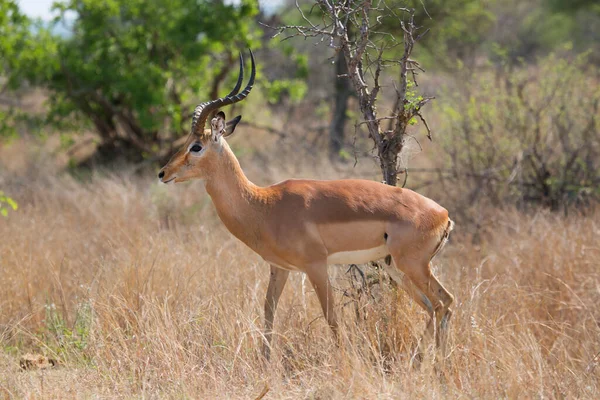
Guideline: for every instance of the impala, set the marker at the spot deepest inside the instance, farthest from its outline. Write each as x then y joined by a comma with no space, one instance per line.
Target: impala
305,225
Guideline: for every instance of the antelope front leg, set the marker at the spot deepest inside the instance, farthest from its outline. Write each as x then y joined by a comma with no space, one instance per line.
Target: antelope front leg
276,284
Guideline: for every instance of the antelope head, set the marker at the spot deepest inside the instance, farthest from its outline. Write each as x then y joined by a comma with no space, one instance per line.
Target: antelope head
197,157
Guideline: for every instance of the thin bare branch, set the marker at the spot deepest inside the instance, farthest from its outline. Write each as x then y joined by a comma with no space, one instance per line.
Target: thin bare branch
350,27
376,86
418,113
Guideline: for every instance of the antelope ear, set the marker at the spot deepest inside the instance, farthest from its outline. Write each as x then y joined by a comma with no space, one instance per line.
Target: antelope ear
217,126
230,126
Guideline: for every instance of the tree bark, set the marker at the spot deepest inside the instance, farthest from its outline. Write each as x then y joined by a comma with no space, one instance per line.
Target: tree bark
388,154
343,91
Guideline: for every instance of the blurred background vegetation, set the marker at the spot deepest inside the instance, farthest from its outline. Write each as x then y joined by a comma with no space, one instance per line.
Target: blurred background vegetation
515,119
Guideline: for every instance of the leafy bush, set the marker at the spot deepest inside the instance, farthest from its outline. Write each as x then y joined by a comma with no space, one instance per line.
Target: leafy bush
529,135
130,69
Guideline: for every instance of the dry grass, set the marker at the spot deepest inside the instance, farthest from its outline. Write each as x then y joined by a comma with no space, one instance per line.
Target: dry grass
139,291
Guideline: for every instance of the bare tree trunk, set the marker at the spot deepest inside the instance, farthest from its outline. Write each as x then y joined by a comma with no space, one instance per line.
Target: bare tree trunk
343,91
365,60
388,155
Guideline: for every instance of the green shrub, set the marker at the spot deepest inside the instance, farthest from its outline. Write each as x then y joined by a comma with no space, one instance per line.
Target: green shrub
525,136
132,70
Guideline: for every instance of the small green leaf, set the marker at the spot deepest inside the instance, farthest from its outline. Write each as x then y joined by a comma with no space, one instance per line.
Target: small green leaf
12,203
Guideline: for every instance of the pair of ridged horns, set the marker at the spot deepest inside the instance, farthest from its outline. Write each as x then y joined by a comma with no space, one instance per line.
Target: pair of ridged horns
203,110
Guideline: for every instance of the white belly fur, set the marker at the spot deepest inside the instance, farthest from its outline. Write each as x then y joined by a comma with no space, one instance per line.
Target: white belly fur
358,256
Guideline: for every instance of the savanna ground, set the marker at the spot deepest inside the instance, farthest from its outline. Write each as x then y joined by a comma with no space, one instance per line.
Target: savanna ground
137,290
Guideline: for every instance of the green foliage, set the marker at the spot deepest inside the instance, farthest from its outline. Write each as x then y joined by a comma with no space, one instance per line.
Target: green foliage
147,58
7,203
293,86
413,98
7,128
529,135
23,54
456,28
344,155
295,89
573,5
460,31
65,338
537,27
131,69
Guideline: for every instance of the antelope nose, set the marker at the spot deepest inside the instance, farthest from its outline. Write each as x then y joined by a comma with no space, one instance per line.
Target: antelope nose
161,174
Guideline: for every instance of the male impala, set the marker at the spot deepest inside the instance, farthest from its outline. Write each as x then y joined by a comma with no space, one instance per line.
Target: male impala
304,225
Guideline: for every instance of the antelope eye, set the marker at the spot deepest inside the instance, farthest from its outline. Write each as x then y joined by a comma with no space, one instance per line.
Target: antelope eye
196,148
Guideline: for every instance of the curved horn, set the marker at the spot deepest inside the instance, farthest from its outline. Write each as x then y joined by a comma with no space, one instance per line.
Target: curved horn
202,110
238,84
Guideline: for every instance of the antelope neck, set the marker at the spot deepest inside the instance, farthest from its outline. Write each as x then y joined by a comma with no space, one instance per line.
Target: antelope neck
229,188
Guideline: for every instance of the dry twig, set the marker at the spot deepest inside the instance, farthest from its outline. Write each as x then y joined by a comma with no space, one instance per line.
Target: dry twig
348,26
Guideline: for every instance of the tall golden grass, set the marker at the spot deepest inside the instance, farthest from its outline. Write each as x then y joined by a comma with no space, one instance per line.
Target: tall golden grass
139,291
